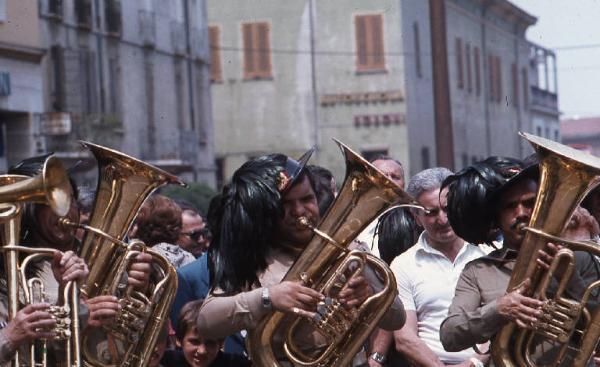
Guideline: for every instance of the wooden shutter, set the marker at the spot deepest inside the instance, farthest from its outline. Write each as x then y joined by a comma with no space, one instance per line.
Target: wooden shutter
459,63
525,78
216,72
376,29
257,50
417,50
492,77
468,57
370,49
477,72
264,50
499,80
515,85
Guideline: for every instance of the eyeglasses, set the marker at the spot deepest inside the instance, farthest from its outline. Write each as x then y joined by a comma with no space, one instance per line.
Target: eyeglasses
434,212
195,235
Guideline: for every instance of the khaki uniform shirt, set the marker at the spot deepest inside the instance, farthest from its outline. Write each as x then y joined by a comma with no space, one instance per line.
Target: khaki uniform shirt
222,316
472,316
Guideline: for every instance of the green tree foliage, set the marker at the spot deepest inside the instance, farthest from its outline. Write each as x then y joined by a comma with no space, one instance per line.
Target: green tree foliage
197,194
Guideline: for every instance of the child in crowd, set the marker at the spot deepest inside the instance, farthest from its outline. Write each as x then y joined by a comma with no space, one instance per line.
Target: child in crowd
197,350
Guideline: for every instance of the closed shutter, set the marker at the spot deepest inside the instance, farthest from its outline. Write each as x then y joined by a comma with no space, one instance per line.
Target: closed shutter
370,48
216,72
257,50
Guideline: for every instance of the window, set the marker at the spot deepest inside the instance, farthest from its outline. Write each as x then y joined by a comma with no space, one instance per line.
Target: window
498,80
112,13
417,50
83,12
525,78
425,157
55,8
515,85
369,43
257,50
216,73
373,153
2,10
459,63
477,72
492,74
468,57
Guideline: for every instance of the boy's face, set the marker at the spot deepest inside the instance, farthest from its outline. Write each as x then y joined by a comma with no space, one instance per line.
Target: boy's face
198,351
157,353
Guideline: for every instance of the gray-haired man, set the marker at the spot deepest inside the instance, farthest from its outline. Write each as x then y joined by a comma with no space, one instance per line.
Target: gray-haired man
427,274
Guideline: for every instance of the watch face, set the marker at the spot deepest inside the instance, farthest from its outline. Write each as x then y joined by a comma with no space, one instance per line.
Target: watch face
377,357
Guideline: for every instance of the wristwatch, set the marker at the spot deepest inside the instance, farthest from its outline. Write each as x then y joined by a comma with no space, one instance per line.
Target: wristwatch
266,299
378,357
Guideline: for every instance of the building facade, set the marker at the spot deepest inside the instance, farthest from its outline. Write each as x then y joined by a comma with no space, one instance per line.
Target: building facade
441,82
21,79
582,133
133,75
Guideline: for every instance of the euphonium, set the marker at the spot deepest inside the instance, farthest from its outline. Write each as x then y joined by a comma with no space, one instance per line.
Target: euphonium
123,184
566,176
365,194
52,188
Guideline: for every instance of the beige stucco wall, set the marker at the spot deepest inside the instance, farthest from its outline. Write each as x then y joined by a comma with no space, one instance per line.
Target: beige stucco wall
22,25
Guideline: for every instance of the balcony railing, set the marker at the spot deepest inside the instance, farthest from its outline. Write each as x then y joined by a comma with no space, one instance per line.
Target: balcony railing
544,99
178,151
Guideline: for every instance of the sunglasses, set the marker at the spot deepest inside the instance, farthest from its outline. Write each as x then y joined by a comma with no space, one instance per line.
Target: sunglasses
434,212
195,235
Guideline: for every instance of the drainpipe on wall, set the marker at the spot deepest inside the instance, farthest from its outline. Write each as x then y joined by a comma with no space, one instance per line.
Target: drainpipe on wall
441,89
313,74
100,53
186,15
484,84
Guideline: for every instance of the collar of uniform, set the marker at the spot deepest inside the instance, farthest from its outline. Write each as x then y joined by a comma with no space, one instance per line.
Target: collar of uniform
424,248
502,255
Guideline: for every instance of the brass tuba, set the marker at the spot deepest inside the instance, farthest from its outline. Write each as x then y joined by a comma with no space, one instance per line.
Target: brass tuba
52,188
566,176
124,183
365,194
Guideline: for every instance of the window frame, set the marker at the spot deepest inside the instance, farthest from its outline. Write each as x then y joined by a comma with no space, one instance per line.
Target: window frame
370,65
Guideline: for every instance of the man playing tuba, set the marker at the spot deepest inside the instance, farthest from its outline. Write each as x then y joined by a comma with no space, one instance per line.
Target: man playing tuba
40,228
485,200
257,238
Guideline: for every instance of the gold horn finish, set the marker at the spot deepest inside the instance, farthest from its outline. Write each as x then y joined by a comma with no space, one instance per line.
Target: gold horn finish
51,187
124,183
566,177
365,194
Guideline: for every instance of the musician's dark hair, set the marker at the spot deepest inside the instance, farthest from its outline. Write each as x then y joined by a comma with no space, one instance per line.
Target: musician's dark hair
322,179
397,231
243,219
469,211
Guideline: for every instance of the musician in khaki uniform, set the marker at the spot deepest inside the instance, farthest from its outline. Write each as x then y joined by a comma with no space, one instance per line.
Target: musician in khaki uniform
505,193
256,240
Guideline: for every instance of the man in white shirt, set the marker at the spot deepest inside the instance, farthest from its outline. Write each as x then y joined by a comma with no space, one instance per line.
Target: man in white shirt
393,169
427,274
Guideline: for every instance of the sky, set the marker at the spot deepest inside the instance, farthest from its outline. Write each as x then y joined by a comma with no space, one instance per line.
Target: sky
572,29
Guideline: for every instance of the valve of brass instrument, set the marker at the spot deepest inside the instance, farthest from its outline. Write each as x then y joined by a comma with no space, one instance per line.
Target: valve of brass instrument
61,314
130,320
